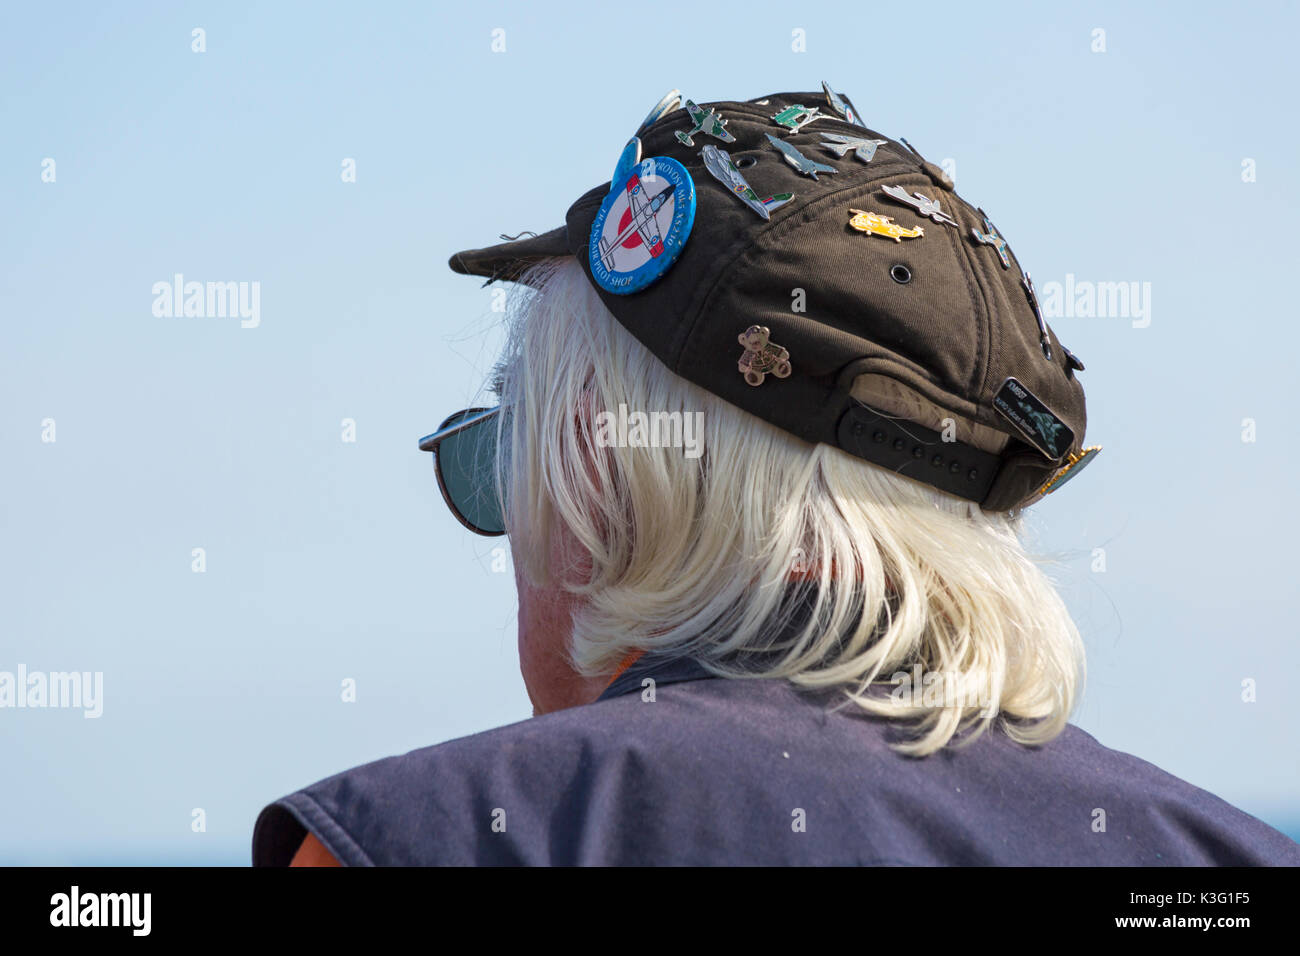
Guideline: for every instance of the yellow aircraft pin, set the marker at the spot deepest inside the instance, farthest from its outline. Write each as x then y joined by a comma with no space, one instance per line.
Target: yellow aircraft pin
879,225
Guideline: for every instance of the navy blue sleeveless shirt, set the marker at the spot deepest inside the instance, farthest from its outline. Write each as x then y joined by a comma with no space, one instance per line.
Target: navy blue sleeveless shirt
673,766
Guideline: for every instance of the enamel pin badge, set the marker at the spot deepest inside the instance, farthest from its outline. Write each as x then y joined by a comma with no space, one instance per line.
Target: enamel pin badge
1044,339
762,357
796,117
643,222
991,238
875,224
709,122
864,149
922,204
1036,422
1075,463
809,167
841,106
718,162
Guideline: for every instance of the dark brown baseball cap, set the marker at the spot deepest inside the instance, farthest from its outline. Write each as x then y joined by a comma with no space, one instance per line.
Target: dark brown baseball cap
916,345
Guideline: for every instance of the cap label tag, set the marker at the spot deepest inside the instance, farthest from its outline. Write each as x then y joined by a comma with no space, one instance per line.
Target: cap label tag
1033,419
642,225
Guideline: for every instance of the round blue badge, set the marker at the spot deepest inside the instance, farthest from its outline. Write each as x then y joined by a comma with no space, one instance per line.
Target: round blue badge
642,225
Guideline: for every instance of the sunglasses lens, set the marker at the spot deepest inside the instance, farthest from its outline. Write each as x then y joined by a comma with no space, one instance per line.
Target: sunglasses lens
466,463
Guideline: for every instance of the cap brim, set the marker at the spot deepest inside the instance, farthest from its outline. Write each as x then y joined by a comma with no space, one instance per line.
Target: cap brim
507,261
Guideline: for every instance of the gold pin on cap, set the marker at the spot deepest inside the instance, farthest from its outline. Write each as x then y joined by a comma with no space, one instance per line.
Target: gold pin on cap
1073,465
878,224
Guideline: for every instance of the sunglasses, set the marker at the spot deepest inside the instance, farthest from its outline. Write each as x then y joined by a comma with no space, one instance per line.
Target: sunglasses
464,459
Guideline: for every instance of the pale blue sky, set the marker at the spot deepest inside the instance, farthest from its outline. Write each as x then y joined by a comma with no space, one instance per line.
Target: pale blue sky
328,560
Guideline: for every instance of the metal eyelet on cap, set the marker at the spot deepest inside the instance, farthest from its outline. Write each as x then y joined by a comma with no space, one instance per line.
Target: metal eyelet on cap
746,161
900,274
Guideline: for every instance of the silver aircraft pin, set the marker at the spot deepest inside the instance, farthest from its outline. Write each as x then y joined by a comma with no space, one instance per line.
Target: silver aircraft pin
1044,339
864,149
809,167
718,162
923,204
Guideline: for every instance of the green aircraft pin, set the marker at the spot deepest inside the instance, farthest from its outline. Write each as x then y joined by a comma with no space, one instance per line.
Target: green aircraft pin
708,122
796,117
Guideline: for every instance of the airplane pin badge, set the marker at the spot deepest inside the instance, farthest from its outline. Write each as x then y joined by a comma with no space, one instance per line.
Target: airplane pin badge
643,222
796,117
877,224
991,238
841,106
1044,339
923,204
718,162
809,167
864,149
709,122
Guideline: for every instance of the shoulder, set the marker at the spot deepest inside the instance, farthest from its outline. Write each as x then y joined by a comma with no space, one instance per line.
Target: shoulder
523,792
1159,817
752,771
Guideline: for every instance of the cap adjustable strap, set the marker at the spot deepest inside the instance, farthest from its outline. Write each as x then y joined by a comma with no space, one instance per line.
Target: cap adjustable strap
917,452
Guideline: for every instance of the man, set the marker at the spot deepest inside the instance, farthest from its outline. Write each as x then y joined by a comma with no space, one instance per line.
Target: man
772,405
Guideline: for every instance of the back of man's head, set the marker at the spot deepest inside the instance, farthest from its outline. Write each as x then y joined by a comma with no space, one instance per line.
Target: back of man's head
696,528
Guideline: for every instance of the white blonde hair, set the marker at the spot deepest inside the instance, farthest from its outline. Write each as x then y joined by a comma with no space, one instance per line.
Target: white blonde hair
694,556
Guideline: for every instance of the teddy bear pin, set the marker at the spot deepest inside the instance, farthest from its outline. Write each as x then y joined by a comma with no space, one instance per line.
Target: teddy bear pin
761,356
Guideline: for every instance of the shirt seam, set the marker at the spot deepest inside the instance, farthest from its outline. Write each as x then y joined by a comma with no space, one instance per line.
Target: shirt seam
318,821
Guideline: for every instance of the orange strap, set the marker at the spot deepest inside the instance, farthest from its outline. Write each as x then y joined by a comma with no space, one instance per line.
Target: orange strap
631,658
